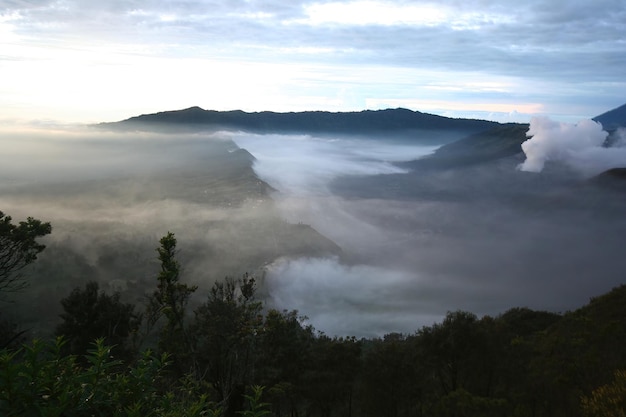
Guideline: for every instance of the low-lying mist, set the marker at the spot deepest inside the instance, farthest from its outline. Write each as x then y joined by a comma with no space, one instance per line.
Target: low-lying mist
111,196
332,226
482,238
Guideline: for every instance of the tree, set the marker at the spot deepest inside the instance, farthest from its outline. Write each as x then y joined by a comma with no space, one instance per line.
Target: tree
390,381
329,382
225,330
608,400
90,314
283,359
18,248
170,300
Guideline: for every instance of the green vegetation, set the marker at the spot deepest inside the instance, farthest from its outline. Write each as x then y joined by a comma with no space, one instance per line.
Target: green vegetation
233,357
18,248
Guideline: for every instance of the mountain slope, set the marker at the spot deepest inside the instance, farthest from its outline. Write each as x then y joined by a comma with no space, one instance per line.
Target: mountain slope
613,119
365,122
500,142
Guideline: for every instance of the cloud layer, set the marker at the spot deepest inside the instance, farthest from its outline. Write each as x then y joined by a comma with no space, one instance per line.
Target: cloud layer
416,245
111,59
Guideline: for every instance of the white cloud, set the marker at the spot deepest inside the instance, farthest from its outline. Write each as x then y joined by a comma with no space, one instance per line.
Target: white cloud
389,13
310,55
578,145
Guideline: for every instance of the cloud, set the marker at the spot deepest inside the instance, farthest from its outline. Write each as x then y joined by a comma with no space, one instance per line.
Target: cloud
413,244
416,245
301,165
345,300
378,51
577,145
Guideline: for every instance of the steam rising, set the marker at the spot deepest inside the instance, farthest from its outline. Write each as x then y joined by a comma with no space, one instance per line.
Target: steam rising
578,145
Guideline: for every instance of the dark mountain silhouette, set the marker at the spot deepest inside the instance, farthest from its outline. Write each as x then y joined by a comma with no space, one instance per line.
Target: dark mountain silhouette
367,122
500,142
614,178
503,141
613,119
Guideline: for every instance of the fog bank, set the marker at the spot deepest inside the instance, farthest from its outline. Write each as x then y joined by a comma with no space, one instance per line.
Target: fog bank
483,238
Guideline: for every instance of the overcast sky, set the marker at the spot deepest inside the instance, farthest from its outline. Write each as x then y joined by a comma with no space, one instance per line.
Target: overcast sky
90,61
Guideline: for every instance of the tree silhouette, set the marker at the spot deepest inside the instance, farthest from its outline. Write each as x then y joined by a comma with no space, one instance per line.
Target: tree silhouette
18,248
170,300
90,314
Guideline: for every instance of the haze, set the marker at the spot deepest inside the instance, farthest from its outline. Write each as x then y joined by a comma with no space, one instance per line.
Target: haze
390,249
482,238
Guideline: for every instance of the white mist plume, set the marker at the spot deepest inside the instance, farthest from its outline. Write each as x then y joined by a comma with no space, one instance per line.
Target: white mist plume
578,145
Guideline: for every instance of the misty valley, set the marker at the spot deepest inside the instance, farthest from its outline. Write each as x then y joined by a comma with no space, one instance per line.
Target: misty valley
410,265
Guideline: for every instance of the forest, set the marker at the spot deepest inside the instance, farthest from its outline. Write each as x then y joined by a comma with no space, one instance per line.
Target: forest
231,355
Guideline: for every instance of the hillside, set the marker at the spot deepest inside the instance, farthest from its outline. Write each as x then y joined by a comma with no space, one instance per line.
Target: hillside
613,119
106,224
389,121
498,142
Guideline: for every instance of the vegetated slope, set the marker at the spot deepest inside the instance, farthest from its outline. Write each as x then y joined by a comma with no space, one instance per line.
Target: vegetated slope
498,142
582,350
502,141
106,227
367,122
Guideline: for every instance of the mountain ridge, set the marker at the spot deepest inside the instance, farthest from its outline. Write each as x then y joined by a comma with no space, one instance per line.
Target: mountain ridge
612,119
387,121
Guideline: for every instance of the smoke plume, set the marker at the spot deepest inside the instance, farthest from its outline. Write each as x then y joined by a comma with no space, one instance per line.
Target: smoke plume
580,146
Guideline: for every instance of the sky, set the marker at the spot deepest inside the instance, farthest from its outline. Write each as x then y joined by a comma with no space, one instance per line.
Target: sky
84,61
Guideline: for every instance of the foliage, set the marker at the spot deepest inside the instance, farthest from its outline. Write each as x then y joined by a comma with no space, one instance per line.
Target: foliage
608,400
390,384
330,383
224,331
170,300
10,334
90,314
39,380
521,363
18,248
256,408
284,355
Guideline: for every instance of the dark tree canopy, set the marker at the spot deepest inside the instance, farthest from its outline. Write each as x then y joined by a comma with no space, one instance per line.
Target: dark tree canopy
18,248
169,302
90,314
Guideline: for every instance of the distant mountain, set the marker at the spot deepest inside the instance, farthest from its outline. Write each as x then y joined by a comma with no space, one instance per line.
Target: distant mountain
613,119
367,122
614,178
498,142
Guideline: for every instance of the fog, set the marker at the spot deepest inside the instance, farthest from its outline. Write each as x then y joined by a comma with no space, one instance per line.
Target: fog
388,249
482,238
111,196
